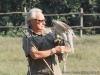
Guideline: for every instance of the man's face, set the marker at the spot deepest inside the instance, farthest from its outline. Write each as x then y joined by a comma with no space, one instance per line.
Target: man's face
39,22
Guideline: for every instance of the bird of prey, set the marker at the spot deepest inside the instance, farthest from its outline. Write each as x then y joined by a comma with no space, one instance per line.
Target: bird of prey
65,32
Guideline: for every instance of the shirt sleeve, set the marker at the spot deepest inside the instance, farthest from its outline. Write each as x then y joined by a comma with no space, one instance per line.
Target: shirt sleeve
27,46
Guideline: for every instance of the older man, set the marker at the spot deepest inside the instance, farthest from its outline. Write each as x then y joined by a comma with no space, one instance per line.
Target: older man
41,46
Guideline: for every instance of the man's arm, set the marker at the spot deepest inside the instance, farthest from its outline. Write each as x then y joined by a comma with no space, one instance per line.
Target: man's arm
36,54
40,54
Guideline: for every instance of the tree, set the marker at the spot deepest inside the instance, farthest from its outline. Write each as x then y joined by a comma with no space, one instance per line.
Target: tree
49,7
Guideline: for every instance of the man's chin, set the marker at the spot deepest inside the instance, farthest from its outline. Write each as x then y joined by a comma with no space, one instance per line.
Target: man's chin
42,28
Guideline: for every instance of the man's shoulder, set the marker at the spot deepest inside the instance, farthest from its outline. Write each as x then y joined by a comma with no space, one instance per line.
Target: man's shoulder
27,34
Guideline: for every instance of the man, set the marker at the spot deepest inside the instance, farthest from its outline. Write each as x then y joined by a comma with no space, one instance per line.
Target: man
42,46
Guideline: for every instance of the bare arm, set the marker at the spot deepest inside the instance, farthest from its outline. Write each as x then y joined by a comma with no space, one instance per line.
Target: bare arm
40,54
45,53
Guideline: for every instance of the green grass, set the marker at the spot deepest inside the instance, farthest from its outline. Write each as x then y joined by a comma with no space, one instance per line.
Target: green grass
12,58
85,60
86,57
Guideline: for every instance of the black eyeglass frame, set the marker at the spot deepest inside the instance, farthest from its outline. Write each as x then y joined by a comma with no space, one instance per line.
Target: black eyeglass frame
40,20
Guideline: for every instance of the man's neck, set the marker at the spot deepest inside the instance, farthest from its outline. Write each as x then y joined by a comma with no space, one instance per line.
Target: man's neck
39,32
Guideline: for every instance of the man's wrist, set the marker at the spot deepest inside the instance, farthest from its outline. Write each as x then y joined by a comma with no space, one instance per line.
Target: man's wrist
53,51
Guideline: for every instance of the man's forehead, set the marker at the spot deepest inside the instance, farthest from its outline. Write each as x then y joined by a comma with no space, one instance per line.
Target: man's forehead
39,15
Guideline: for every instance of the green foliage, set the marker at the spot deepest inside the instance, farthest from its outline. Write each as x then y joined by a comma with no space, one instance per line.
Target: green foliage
50,7
14,33
89,31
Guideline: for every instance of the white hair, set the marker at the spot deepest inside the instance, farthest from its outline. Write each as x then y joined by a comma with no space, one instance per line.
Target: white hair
32,14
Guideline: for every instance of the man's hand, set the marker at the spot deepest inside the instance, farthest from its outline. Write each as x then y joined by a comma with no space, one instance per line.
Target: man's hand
59,49
62,49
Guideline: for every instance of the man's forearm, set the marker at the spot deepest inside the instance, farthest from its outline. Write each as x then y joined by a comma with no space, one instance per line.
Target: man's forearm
41,54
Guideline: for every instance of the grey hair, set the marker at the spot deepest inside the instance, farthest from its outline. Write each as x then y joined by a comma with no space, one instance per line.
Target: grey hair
32,14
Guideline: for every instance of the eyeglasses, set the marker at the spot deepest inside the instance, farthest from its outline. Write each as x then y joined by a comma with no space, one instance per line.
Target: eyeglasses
40,20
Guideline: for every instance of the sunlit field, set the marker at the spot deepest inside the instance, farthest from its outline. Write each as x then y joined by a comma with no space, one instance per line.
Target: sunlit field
84,61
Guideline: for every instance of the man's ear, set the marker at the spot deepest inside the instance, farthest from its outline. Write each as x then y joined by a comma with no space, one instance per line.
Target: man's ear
29,23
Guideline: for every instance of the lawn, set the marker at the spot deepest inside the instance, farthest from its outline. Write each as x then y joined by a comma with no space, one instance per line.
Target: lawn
84,61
